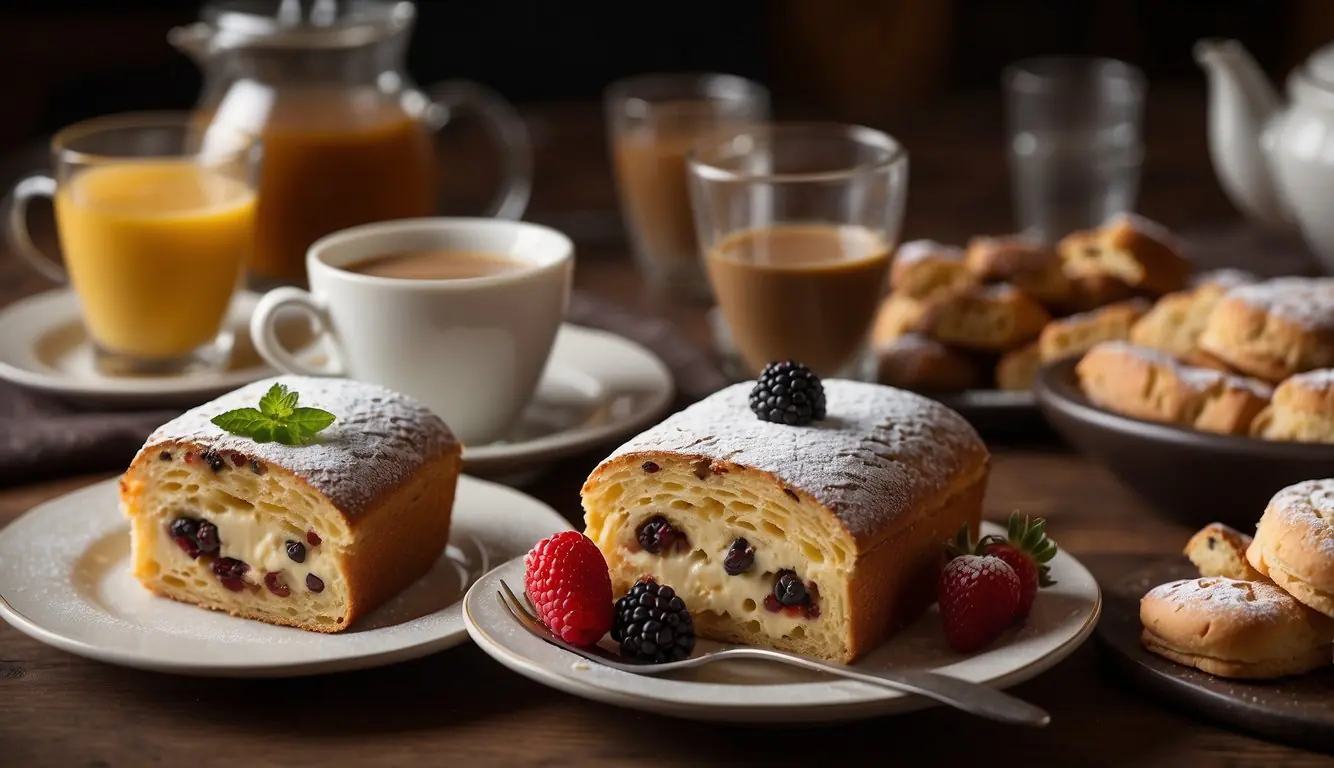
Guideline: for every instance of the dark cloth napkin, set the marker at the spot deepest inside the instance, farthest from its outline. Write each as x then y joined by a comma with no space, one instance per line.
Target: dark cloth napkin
41,437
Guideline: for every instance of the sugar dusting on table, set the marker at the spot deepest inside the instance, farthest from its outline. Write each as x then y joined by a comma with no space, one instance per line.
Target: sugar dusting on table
378,438
879,453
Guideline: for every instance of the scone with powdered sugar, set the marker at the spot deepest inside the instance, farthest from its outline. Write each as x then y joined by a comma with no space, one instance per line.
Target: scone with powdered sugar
308,535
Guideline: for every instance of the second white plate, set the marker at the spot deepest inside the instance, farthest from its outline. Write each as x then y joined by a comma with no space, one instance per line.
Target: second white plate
65,580
1063,616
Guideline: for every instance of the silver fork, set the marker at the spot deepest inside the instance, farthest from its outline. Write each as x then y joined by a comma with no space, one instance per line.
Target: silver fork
969,697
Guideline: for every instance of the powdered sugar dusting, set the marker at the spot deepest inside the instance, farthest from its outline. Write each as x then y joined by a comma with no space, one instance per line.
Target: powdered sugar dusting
1200,379
379,438
1255,600
879,454
1309,506
1317,381
1226,278
918,250
1307,302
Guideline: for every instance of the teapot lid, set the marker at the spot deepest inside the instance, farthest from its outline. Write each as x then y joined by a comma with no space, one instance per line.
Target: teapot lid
304,23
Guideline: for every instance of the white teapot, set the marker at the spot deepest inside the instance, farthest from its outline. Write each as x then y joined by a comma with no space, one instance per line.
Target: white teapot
1275,160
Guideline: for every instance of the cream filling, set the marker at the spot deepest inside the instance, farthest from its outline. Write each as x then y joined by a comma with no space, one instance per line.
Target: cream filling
261,546
696,573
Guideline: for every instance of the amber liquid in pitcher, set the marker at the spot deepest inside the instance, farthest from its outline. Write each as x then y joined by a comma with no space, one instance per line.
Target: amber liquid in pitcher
334,160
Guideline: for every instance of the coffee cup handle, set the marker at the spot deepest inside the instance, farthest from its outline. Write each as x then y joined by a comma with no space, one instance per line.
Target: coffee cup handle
16,225
264,331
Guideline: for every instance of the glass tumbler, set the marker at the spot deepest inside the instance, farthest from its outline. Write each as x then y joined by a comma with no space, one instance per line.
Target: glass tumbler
652,122
1074,142
797,223
155,214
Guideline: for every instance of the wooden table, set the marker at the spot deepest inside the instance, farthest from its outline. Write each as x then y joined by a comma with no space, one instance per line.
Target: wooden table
460,708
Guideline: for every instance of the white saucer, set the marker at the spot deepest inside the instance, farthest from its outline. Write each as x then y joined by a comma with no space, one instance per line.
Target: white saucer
597,386
44,347
65,580
1063,617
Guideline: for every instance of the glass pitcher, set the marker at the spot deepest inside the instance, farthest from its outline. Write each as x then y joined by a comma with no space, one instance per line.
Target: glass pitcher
347,137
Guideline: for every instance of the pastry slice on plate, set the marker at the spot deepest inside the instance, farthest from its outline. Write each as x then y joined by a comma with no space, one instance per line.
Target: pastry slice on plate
285,525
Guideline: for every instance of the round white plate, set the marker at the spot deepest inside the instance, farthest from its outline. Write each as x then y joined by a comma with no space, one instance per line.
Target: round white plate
1063,617
597,386
44,346
65,580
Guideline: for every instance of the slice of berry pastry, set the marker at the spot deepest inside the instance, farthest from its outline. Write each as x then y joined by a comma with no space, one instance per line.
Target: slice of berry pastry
797,514
299,501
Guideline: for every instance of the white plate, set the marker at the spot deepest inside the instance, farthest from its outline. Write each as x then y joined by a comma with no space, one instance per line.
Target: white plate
65,580
43,346
1063,617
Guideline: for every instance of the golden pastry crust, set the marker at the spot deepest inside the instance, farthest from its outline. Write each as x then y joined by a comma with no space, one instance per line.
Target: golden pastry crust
1151,385
923,268
1274,329
1018,368
1140,252
1294,543
1219,550
1029,266
1302,410
922,364
1077,334
858,506
1232,628
991,318
1175,323
370,502
898,314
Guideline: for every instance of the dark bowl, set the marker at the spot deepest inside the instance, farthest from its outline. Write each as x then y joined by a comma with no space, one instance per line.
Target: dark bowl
1195,477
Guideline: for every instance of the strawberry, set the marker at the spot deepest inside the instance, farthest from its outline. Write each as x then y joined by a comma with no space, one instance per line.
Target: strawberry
978,596
1026,549
568,583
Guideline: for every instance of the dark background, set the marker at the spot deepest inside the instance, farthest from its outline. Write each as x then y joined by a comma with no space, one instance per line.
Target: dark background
841,59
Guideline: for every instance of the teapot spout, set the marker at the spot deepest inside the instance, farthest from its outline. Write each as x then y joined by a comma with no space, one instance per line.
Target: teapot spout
1241,103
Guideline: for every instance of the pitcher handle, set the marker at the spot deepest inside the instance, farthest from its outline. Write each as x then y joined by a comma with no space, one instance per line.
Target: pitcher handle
33,185
508,130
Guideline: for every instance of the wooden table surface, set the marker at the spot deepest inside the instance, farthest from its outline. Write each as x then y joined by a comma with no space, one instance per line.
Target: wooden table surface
460,708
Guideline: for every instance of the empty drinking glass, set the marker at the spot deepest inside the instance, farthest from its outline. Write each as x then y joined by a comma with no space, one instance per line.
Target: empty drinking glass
1074,142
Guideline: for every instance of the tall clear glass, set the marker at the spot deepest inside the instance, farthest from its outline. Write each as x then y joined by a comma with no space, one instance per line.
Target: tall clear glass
797,223
155,214
652,122
1073,142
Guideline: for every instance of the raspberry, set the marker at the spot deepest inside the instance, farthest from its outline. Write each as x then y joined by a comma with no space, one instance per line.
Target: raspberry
567,582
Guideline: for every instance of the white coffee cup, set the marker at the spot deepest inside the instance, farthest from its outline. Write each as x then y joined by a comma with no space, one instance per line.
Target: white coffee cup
470,349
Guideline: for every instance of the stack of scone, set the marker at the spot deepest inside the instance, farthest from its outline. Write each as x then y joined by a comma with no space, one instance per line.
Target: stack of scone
990,315
1230,355
1262,607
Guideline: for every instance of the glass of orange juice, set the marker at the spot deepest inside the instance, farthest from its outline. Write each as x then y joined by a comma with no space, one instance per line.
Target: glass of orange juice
155,213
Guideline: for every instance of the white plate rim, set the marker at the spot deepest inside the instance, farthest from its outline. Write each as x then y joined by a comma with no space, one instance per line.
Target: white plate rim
55,305
773,707
538,516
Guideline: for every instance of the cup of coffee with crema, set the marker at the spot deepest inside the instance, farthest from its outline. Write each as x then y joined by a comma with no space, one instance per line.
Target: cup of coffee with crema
797,223
458,313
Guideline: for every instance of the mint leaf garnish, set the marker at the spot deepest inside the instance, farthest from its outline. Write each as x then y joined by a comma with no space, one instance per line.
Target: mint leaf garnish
278,419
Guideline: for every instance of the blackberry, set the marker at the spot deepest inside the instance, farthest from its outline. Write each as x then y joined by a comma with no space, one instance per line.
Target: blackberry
739,558
657,535
206,536
213,459
788,393
652,624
